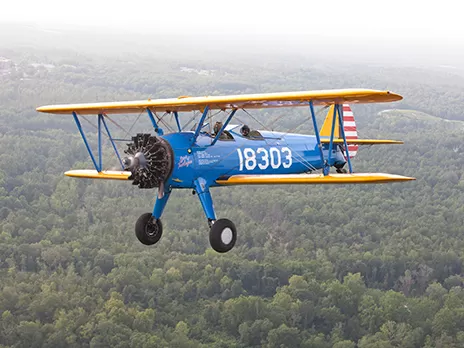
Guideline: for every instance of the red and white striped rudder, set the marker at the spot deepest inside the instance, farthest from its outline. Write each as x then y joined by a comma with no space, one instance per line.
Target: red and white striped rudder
349,127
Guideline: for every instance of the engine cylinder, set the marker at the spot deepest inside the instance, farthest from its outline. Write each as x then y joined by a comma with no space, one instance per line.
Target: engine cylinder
150,160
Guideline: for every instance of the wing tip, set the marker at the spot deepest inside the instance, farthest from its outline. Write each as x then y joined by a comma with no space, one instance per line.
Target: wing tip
46,109
395,96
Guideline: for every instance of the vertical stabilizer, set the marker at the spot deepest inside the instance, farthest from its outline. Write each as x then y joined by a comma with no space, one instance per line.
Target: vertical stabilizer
326,129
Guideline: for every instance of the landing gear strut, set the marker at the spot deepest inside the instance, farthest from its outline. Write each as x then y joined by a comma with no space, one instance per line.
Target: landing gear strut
222,233
148,229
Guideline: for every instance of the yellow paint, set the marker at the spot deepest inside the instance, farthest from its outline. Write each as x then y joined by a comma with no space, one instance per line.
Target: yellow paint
326,129
356,178
93,174
363,141
246,101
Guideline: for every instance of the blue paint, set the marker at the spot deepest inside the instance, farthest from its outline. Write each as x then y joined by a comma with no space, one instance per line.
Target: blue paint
202,190
160,204
332,133
157,129
222,160
200,125
100,160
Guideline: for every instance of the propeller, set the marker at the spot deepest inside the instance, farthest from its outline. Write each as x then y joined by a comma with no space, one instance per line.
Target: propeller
150,160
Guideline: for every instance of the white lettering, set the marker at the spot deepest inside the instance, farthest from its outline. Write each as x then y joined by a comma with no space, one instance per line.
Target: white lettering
271,156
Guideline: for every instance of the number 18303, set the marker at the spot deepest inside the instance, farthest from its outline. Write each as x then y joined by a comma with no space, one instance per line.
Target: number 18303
263,158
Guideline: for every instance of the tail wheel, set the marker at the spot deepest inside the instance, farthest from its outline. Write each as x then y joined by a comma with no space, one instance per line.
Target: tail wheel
148,229
222,235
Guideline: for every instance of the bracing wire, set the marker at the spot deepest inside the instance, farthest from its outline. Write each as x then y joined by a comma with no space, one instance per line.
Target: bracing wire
93,125
161,120
195,114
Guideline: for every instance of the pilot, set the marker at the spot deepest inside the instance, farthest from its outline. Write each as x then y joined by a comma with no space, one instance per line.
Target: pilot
217,127
245,130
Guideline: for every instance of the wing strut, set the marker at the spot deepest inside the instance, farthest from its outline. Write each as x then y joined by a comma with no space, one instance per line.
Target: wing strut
332,134
200,125
101,120
79,127
224,126
338,109
313,116
158,130
342,131
112,142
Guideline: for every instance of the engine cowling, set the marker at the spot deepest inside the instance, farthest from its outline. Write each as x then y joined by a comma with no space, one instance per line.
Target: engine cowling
150,160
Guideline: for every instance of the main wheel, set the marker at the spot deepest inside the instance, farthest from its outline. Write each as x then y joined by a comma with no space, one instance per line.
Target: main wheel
222,235
148,229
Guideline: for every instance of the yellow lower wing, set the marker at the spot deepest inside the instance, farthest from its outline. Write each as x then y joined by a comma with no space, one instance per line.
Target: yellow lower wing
93,174
363,141
356,178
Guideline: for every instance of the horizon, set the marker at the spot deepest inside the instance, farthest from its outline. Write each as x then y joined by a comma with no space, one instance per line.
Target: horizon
411,33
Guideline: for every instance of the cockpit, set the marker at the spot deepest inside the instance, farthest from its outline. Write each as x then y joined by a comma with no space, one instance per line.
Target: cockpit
246,132
225,135
232,130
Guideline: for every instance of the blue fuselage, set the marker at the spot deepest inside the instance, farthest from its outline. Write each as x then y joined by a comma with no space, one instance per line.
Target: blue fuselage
269,153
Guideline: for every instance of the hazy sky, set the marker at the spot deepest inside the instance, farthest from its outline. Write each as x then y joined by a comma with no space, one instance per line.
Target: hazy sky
403,19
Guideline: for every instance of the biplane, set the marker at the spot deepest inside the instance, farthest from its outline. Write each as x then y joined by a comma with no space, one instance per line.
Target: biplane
229,154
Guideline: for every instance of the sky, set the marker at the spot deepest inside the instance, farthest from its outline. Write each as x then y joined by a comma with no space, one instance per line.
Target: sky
393,19
401,32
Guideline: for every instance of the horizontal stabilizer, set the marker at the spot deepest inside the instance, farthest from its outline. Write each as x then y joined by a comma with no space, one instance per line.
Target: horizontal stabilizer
93,174
355,178
363,141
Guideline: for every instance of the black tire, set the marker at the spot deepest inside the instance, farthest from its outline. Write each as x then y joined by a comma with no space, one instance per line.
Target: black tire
222,235
148,229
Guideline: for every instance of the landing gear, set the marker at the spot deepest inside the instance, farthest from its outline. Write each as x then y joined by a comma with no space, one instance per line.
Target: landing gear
222,235
148,229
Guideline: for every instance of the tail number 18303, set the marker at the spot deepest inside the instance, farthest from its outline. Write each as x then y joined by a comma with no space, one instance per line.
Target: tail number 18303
263,158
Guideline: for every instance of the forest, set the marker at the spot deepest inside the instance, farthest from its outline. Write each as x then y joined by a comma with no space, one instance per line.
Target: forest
314,266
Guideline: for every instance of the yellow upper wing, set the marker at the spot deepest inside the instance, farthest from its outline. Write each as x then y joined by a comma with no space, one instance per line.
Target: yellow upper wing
245,101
